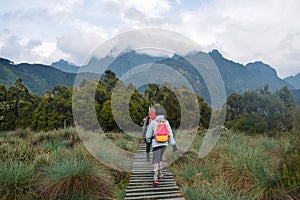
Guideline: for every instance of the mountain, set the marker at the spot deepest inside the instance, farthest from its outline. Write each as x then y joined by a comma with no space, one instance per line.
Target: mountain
296,96
119,65
65,66
36,77
294,80
237,78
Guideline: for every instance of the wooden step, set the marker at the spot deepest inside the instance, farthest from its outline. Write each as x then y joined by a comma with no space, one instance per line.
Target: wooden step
141,180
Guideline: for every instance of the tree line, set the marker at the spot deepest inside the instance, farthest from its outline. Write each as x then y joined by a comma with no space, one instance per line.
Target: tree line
256,111
262,111
53,110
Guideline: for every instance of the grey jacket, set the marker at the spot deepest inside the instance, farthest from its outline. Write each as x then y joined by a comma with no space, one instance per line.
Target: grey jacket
150,133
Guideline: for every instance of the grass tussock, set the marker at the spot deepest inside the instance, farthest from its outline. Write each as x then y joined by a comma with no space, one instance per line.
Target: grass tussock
55,165
16,180
74,177
239,167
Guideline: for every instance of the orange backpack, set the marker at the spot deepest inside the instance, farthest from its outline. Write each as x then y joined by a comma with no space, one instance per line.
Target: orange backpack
161,132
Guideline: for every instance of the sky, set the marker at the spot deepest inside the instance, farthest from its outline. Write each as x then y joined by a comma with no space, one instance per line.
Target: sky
46,31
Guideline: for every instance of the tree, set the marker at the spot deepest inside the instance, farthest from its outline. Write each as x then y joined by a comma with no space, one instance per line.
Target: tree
54,110
265,111
151,93
106,118
109,81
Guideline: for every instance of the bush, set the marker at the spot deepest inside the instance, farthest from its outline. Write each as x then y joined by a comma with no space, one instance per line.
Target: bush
16,180
73,177
15,149
21,133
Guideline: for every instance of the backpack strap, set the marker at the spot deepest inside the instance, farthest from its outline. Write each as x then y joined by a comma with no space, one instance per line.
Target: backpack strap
158,121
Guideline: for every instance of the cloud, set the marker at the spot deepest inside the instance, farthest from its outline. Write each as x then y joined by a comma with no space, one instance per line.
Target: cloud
22,50
33,43
242,31
134,14
285,56
78,45
11,48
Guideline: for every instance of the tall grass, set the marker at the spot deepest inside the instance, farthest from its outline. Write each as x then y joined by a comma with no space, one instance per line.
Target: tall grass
15,149
238,167
16,180
74,177
41,166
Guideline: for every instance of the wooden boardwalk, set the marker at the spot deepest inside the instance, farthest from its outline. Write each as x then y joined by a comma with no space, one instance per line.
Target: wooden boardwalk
140,184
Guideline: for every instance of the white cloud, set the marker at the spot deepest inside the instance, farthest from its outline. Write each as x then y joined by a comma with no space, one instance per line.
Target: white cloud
243,31
78,45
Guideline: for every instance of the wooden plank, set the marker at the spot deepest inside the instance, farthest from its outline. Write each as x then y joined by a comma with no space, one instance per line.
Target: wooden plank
154,196
148,186
134,194
150,183
152,189
140,184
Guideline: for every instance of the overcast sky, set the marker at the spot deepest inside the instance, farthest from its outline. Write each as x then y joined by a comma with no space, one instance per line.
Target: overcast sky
244,31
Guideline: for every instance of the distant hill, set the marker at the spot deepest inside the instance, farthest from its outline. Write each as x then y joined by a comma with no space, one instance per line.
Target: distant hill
237,77
296,96
294,80
36,77
65,66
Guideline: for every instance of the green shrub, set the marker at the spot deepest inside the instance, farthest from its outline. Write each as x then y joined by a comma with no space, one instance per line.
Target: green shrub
189,171
51,145
16,149
73,176
215,190
21,133
16,180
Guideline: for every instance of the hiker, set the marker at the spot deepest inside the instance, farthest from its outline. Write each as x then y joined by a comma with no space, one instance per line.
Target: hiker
159,147
151,116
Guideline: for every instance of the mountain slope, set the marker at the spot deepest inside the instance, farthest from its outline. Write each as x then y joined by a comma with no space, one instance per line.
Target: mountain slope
294,80
65,66
296,96
36,77
237,78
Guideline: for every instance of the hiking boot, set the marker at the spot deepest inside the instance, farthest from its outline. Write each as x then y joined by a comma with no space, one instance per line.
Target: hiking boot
155,183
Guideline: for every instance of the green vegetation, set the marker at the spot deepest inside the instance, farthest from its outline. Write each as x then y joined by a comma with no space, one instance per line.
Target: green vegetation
44,165
42,156
241,167
19,109
260,111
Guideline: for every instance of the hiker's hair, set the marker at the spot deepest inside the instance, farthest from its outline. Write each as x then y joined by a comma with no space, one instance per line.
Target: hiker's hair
160,111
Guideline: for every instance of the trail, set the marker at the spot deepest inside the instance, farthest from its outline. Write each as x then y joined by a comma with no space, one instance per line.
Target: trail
140,184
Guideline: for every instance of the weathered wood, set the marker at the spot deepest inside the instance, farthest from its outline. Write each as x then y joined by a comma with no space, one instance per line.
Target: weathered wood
162,196
140,184
153,189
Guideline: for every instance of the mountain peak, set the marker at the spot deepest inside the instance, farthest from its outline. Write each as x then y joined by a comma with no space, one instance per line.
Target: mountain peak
65,66
294,80
6,61
216,53
262,67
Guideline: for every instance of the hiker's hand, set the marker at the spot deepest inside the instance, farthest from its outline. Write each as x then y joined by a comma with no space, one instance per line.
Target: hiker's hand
174,148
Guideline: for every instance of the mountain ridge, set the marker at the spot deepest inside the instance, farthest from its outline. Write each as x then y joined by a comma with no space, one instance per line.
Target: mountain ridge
294,80
237,77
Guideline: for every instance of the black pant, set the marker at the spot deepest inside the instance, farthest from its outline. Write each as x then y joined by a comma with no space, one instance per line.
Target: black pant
148,146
